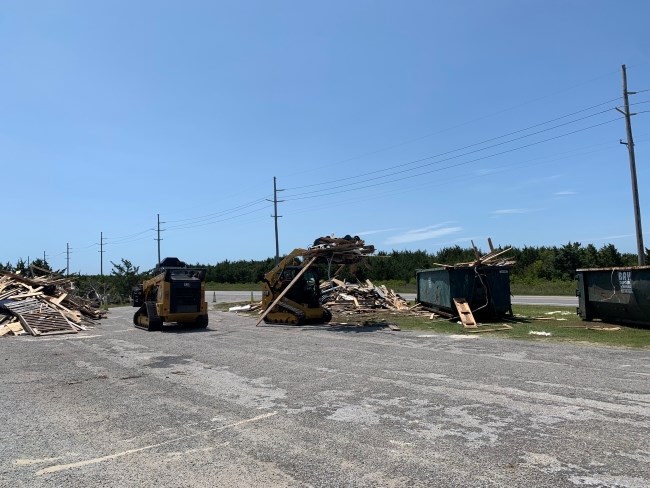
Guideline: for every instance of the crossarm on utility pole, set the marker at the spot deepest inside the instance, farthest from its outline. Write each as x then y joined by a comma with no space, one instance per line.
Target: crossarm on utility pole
284,292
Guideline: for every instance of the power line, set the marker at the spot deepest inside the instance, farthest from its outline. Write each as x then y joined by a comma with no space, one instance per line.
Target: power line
478,143
464,177
303,195
220,213
191,226
609,73
115,240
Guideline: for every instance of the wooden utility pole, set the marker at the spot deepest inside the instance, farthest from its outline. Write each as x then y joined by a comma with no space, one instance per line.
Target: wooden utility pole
635,188
159,238
275,216
101,254
67,259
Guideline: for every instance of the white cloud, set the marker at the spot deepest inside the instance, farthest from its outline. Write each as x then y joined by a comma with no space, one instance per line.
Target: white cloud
488,171
422,234
511,211
609,238
565,193
378,231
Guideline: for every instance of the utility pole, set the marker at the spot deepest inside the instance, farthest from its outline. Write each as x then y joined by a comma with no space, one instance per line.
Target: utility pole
275,216
44,261
159,238
630,149
101,254
67,259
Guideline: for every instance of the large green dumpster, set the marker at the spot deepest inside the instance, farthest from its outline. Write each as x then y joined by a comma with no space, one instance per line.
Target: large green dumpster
618,295
486,289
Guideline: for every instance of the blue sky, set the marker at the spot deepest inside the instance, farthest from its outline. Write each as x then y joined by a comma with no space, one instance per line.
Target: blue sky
415,125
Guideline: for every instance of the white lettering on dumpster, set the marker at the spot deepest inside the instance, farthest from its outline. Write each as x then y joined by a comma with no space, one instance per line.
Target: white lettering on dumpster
625,280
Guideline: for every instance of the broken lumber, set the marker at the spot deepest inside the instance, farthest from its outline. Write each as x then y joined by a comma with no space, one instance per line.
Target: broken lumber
43,303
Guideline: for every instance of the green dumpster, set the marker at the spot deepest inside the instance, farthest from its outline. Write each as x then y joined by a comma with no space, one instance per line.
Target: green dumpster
486,289
617,295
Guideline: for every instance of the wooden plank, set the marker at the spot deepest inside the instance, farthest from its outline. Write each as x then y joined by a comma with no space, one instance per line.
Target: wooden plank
380,292
14,327
465,313
476,253
349,298
491,329
491,256
27,295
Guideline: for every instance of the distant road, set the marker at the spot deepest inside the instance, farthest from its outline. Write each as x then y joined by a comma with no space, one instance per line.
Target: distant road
242,296
563,301
232,296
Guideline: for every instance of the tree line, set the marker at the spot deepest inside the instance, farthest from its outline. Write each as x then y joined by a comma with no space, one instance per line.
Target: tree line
532,264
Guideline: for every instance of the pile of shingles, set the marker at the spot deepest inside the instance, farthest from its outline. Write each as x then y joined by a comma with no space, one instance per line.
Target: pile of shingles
43,305
349,298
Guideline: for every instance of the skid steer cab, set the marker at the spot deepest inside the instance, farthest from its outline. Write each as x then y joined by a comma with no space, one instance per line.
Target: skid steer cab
175,294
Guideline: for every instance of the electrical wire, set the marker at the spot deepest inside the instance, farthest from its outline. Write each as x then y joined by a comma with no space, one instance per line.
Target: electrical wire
210,219
609,73
304,195
191,226
221,212
114,240
476,144
462,177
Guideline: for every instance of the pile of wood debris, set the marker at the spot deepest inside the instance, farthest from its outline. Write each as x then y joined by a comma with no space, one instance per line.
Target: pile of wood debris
494,258
43,304
349,298
339,250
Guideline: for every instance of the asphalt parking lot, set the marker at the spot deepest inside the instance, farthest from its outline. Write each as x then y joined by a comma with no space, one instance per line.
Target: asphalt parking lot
323,406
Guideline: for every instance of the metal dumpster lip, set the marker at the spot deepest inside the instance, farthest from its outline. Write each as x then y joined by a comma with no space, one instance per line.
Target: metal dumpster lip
616,268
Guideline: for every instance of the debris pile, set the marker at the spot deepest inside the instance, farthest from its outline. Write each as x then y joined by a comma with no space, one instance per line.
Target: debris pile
43,305
494,258
339,250
349,298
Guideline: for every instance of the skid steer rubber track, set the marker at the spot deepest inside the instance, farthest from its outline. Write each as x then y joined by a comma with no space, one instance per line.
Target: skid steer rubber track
147,318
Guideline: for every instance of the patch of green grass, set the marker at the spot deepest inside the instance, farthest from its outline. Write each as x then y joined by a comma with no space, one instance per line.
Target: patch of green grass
543,287
398,286
561,323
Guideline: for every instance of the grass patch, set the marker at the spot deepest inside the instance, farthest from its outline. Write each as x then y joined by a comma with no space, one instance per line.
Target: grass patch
547,288
398,286
561,323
